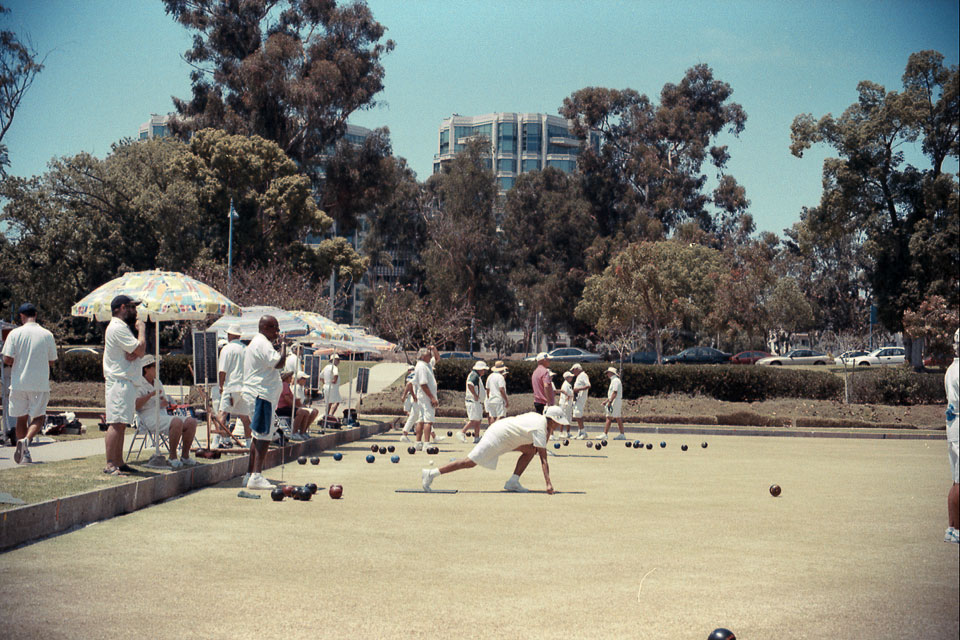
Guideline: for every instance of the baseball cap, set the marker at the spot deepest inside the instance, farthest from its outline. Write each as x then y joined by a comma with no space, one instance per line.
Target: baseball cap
556,414
28,309
120,300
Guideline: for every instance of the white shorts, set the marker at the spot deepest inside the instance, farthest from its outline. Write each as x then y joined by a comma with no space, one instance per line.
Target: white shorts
474,411
614,410
121,401
427,411
953,451
568,412
29,403
495,408
233,402
147,424
580,405
331,393
487,452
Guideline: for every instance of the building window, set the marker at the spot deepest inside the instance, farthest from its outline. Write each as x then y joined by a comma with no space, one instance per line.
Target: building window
144,135
531,137
531,165
507,137
445,141
488,164
505,183
159,131
436,167
507,164
569,166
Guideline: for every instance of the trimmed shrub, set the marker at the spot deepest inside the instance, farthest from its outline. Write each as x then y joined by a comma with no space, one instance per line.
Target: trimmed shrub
88,367
899,386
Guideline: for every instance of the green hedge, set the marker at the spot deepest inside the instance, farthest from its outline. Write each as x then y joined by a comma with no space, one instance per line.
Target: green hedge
88,367
735,383
896,386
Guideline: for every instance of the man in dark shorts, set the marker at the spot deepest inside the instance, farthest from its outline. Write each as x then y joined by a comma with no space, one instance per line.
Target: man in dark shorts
261,389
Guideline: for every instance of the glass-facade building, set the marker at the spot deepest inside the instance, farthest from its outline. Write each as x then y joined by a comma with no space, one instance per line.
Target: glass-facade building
156,127
519,142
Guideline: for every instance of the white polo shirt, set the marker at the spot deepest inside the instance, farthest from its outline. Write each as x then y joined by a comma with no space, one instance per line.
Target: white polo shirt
261,378
119,341
423,375
231,363
32,348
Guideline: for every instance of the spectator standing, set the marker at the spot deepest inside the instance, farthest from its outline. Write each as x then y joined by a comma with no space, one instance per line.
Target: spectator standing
121,369
425,384
497,401
566,399
230,379
951,383
30,350
543,395
261,389
410,405
581,391
475,395
331,385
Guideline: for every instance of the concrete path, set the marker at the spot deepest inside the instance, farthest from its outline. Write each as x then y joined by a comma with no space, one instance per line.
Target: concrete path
50,450
381,376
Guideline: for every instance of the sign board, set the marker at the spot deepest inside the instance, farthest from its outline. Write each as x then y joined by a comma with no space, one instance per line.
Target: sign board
363,379
204,357
312,366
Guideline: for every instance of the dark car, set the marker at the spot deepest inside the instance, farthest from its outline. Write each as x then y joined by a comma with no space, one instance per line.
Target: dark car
642,357
748,357
457,355
698,355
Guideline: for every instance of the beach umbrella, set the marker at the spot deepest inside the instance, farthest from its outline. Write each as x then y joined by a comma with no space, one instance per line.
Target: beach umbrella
249,320
164,296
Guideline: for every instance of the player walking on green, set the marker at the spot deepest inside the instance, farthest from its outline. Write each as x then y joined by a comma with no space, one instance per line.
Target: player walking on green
475,395
613,404
581,390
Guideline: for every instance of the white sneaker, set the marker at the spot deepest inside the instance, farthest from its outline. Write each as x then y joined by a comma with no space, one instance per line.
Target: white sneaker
176,464
462,437
426,478
188,462
405,437
26,459
243,482
621,437
952,535
419,446
515,486
258,482
437,438
581,435
602,436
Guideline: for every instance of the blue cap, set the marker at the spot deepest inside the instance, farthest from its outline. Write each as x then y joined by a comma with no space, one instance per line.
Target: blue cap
27,309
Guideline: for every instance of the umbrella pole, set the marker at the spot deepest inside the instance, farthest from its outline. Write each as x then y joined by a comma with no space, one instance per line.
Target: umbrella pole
157,460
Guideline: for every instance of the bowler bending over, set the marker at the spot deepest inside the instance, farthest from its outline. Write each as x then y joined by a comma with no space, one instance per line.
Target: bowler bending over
527,433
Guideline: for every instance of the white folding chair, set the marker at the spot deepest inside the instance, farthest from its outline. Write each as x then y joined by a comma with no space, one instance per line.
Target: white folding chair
142,434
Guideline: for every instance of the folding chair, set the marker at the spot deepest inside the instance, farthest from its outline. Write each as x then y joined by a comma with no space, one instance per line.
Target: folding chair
142,434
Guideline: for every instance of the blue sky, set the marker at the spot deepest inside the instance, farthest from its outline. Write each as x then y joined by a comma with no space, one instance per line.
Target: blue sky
111,63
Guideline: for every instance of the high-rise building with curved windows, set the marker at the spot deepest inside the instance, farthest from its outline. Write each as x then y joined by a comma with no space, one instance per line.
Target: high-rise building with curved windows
519,142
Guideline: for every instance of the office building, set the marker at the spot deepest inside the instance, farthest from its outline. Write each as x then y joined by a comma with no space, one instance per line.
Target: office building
156,127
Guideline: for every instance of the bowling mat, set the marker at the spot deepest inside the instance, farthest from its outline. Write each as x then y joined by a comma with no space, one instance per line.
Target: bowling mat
422,491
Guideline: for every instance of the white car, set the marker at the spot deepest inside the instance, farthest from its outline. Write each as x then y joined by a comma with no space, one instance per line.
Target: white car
797,356
846,358
884,356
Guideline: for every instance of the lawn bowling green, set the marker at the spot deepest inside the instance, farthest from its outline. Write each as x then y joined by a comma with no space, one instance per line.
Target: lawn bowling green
661,544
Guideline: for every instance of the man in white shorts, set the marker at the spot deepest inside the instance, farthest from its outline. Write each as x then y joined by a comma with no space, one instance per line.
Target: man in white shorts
121,368
230,379
331,385
261,390
425,384
410,405
497,401
475,395
951,382
527,433
613,405
154,417
566,398
581,391
30,350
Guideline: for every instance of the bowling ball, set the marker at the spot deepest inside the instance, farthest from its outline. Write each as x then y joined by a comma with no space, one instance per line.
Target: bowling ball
374,448
314,460
411,450
703,444
603,442
589,445
277,494
649,445
663,445
335,491
722,634
391,449
449,434
566,443
338,456
302,460
305,494
394,459
683,447
636,444
383,450
370,458
288,490
312,486
556,445
631,444
775,490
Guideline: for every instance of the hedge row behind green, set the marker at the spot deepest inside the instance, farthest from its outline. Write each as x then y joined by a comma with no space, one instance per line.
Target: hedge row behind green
897,386
88,367
734,383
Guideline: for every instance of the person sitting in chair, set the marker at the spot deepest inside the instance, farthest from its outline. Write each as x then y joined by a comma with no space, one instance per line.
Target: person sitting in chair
292,397
156,419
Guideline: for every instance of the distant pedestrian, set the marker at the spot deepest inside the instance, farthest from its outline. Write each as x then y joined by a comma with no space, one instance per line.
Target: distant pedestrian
581,391
331,385
476,393
30,350
613,405
410,405
425,384
951,383
542,383
497,401
262,363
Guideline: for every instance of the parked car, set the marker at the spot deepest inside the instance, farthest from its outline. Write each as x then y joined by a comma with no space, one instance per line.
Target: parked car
97,351
938,360
796,356
847,357
698,355
884,356
457,355
748,357
571,354
642,357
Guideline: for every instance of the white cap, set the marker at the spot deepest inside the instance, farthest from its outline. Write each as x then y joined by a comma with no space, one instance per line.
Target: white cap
335,356
568,374
556,414
543,355
480,366
147,360
576,367
233,330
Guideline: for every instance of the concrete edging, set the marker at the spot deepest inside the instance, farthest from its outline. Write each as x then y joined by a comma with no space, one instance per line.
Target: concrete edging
30,522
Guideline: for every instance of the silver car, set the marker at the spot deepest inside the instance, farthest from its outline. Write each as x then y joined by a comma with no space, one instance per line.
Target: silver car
882,357
796,356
